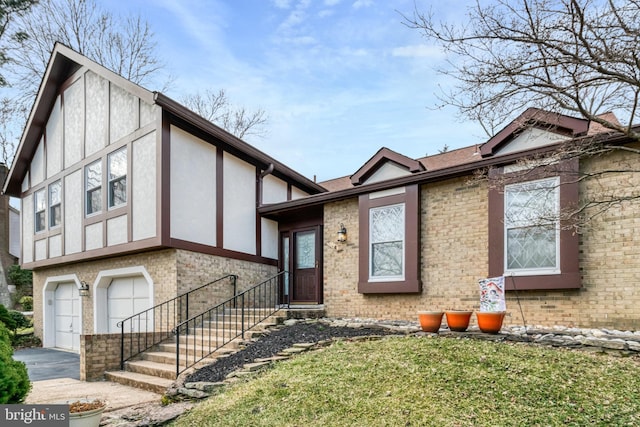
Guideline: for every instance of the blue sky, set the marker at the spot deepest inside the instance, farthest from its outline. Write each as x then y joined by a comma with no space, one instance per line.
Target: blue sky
338,79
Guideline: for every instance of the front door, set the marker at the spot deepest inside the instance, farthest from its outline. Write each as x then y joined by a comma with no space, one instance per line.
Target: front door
306,262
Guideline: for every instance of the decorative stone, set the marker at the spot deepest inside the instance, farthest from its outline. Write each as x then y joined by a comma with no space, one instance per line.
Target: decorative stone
192,393
633,345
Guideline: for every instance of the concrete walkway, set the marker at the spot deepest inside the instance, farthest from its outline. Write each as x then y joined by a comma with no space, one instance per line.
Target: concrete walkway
55,378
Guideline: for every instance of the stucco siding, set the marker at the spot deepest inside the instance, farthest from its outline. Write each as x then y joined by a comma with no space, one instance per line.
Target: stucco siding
54,140
97,113
73,122
274,190
143,187
239,205
73,213
193,188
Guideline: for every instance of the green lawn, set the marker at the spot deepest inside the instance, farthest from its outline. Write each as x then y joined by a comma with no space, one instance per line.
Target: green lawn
432,381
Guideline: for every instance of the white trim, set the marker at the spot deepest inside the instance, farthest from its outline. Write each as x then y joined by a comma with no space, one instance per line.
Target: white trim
100,286
48,307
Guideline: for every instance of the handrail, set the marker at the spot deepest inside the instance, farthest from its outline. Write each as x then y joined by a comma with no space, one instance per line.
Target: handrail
156,324
212,329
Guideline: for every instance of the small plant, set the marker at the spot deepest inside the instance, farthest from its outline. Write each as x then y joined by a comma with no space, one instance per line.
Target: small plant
86,405
26,302
20,277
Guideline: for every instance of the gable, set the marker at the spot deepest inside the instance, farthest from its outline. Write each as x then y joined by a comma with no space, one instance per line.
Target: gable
531,138
385,164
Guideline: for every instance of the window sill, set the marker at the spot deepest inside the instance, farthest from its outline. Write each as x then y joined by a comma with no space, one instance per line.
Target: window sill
542,282
390,287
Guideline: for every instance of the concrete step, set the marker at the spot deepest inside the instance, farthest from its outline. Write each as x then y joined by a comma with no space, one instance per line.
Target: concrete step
146,367
141,381
197,349
170,358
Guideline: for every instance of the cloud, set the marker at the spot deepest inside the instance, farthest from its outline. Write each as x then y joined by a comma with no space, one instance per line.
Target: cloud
417,51
325,13
331,2
362,3
282,4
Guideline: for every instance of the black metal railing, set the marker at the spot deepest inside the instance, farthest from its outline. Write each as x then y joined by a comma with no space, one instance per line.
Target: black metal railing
143,330
201,335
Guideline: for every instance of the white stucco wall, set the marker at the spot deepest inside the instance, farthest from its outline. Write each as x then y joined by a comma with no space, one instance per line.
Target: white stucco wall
532,138
296,193
97,113
55,245
117,230
27,228
73,122
143,188
37,165
387,171
124,113
54,140
193,188
239,205
73,212
273,190
93,236
269,238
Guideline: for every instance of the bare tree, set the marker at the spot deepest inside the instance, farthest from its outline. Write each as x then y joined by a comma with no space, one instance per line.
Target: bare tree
126,45
215,107
578,57
9,11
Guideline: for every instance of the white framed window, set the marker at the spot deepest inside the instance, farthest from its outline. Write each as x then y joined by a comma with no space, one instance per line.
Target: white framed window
93,187
387,242
117,178
55,204
532,227
40,205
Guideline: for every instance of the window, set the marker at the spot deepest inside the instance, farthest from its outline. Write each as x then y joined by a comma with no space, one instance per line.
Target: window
386,226
55,203
388,241
527,242
532,227
40,210
118,178
93,186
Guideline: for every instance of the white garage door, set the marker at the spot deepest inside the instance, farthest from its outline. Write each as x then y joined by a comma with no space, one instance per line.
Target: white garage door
126,296
67,315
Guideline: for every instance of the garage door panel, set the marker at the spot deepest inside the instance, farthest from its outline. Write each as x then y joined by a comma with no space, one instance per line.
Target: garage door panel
67,316
126,297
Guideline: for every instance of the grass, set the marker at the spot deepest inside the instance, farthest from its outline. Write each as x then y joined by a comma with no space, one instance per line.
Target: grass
446,382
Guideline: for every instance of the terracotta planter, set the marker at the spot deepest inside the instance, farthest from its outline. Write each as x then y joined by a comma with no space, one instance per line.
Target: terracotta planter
458,320
430,321
490,322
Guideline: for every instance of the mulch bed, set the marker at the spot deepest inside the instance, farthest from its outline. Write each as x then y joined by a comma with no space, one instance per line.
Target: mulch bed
277,340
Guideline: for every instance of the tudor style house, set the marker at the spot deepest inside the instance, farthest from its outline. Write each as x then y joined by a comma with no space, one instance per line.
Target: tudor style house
130,199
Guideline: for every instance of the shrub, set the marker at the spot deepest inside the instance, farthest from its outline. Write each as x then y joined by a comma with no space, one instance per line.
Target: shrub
18,276
14,380
6,318
26,302
20,320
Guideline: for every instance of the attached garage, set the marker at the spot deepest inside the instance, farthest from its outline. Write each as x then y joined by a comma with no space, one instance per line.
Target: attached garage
126,296
67,316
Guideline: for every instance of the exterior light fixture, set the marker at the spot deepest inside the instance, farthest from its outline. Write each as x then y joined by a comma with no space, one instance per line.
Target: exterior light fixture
342,234
84,289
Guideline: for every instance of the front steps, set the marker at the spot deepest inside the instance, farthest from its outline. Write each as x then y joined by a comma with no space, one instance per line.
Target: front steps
155,369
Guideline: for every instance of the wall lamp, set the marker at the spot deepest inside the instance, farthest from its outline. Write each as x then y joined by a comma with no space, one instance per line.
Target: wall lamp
84,289
342,233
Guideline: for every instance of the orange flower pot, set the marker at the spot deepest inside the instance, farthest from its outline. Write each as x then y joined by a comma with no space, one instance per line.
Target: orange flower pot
430,321
490,322
458,320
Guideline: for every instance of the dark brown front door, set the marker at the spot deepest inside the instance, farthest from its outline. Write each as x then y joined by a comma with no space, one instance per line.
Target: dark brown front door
305,259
